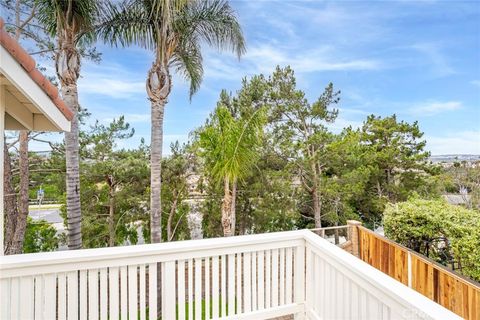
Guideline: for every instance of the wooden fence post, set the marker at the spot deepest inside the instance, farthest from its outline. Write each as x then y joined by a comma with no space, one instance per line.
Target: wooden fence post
353,236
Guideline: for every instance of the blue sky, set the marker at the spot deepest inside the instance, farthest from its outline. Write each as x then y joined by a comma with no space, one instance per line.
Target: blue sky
418,59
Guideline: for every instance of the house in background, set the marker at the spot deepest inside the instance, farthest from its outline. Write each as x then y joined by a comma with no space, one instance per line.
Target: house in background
28,100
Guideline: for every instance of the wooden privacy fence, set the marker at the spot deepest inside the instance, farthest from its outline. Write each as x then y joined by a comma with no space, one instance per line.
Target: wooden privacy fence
431,279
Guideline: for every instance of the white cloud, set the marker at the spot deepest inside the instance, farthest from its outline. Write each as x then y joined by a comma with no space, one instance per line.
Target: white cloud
466,142
429,108
112,80
475,83
265,57
342,123
172,138
439,64
114,88
132,118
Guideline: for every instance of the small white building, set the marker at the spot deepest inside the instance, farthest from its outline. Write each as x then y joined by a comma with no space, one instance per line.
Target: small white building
28,101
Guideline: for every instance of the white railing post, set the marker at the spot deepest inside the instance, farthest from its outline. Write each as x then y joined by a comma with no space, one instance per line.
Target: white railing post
169,292
308,280
299,274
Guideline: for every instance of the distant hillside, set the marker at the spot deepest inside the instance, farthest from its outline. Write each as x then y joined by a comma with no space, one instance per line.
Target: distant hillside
455,157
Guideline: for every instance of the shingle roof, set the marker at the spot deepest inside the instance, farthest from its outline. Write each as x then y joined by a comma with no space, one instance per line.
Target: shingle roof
28,63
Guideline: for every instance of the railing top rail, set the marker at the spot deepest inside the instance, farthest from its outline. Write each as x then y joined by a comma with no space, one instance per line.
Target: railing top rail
329,228
429,261
367,274
158,249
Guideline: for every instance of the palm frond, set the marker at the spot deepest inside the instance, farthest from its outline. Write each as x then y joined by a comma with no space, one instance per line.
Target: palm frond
125,24
188,62
230,145
76,17
213,21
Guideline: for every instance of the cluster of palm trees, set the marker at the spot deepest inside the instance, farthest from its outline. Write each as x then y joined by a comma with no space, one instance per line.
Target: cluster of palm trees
173,29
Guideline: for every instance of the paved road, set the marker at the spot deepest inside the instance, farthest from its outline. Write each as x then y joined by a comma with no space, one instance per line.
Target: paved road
51,215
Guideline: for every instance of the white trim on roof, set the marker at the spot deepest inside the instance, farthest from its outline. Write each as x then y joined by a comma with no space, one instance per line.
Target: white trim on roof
52,118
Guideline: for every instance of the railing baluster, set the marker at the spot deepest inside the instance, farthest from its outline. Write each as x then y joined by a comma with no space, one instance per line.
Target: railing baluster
6,301
152,291
261,280
275,263
103,294
231,284
92,294
124,291
299,278
62,296
215,288
281,265
239,283
181,289
320,286
113,293
309,279
223,279
339,295
143,311
51,302
328,290
39,297
83,295
288,275
26,296
190,289
168,292
132,292
254,281
268,279
363,305
72,278
247,282
207,288
198,289
354,307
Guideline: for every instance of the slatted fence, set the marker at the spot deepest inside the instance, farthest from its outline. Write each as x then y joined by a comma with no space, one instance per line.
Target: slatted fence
431,279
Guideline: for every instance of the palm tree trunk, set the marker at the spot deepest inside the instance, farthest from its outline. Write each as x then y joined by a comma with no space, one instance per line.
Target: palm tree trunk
156,172
67,63
74,215
227,209
158,89
233,215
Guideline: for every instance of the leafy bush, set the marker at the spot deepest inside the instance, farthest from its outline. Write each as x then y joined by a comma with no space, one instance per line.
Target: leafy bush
40,236
422,225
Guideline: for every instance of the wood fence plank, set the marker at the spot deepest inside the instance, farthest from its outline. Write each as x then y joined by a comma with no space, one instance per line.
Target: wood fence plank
432,280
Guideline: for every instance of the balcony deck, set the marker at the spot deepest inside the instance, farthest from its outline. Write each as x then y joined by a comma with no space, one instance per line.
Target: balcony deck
246,277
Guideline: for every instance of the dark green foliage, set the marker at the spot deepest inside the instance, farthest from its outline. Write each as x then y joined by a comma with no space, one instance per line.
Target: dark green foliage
40,236
420,224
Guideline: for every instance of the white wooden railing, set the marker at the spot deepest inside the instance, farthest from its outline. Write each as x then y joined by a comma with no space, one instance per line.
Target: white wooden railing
247,277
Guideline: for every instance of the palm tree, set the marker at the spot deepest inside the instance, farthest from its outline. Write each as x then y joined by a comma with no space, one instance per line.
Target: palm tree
69,21
229,146
174,31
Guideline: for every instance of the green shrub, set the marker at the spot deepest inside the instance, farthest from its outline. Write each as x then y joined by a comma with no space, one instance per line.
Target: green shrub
40,236
419,223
